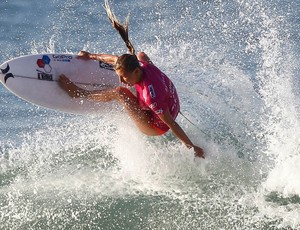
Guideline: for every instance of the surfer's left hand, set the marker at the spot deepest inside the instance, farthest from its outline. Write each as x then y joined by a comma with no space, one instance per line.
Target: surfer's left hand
84,55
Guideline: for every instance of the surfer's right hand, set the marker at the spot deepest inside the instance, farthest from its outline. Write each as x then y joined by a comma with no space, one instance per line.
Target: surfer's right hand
198,152
84,55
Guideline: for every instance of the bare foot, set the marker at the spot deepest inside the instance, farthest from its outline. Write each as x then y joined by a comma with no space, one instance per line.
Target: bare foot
73,90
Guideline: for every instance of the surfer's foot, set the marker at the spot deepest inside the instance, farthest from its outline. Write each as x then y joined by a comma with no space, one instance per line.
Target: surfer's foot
73,90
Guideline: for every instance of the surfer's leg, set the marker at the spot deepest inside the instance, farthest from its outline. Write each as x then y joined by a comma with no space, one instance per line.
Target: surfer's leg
73,90
123,95
141,118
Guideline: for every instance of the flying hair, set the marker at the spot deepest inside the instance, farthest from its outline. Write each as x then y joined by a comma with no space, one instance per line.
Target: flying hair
121,28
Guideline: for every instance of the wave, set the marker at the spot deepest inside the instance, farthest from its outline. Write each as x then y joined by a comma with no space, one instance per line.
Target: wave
235,67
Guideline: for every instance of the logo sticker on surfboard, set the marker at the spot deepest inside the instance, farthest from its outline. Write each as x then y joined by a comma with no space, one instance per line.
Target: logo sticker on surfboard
62,57
44,76
104,65
6,72
44,63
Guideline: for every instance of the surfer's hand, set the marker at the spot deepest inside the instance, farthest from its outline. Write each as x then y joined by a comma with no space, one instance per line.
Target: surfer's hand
198,152
84,55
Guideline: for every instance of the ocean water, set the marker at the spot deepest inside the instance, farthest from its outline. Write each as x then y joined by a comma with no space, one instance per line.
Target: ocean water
236,68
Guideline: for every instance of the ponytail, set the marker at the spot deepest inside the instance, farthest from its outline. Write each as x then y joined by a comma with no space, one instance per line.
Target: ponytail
121,28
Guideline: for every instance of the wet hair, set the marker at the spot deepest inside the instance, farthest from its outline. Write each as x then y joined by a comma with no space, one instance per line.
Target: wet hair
121,28
127,62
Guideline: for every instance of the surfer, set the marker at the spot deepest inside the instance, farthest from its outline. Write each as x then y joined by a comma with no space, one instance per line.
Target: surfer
156,104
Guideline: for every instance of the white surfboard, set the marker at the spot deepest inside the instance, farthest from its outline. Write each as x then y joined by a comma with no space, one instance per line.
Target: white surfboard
34,78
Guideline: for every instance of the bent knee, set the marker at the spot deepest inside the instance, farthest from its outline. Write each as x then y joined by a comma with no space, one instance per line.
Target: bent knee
122,90
123,93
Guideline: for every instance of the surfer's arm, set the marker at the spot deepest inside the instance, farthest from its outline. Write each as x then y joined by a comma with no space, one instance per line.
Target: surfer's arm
107,58
142,56
178,132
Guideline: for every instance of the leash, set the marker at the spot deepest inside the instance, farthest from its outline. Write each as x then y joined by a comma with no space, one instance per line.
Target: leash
194,124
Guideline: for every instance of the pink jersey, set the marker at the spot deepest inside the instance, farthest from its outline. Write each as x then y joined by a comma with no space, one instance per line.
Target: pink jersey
157,93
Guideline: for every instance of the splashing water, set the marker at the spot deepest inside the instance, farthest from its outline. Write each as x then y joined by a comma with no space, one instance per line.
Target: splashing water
235,68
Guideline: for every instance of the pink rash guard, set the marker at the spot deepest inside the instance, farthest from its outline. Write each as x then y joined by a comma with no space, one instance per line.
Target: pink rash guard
156,93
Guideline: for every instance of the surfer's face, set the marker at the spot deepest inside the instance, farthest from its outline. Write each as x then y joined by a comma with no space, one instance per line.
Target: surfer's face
129,78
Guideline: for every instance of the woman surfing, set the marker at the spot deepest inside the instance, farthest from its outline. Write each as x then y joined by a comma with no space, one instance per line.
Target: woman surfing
156,104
